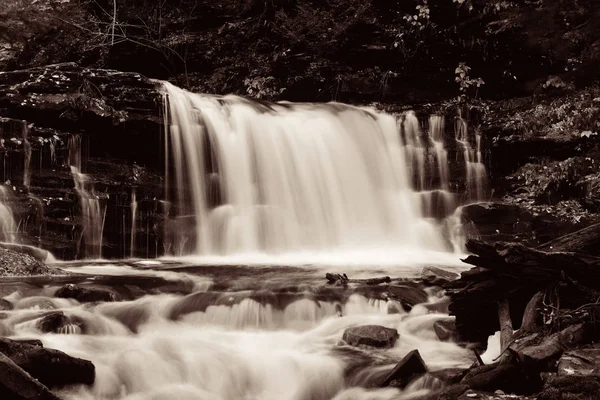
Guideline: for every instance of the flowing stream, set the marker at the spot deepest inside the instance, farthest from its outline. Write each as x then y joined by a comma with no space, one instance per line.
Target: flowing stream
270,334
261,200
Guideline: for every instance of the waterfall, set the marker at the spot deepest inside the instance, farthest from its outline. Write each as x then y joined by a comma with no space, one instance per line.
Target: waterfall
92,212
134,205
247,177
474,167
8,227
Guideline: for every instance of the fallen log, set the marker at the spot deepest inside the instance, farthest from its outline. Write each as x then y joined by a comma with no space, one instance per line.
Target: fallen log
513,272
344,280
584,241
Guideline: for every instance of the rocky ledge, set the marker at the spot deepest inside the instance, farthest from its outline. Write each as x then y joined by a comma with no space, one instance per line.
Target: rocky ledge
112,112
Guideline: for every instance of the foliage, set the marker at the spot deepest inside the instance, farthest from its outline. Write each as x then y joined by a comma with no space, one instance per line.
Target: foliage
565,118
464,81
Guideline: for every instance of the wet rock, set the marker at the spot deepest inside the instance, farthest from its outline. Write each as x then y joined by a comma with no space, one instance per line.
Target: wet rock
86,294
577,387
55,369
408,295
51,367
585,361
435,276
445,330
6,305
17,384
371,335
52,322
410,367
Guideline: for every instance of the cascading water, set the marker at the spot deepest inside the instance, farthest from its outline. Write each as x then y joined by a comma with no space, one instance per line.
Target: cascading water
8,227
133,206
245,178
476,176
283,178
92,211
231,345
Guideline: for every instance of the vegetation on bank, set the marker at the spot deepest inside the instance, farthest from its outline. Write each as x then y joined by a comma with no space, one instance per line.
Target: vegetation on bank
317,51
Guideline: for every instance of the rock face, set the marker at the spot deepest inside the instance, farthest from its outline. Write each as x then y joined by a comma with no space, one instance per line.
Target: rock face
371,335
43,110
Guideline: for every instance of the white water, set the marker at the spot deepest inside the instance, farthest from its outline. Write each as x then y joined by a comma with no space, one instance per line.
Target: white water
476,175
92,211
133,206
299,178
8,227
245,350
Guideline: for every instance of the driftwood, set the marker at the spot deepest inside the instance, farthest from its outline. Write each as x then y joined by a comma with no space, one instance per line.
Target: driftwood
585,241
513,272
344,280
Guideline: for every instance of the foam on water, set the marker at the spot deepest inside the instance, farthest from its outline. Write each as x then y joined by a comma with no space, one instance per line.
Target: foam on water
247,350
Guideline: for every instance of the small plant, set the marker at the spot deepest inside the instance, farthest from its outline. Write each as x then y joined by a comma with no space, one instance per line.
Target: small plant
465,82
420,19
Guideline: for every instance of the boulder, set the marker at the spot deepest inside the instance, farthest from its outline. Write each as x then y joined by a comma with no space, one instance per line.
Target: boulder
51,367
437,276
585,361
16,384
410,367
52,322
56,369
371,335
86,294
6,305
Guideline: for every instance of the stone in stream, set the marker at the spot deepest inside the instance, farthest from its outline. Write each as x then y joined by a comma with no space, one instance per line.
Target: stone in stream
445,330
435,276
52,322
17,384
51,367
410,367
408,295
86,294
371,335
6,305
